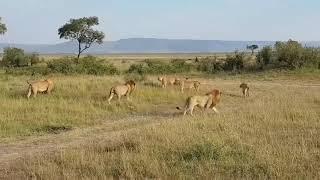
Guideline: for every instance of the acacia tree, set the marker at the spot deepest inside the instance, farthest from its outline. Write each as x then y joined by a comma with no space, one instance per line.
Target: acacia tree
81,30
3,28
252,48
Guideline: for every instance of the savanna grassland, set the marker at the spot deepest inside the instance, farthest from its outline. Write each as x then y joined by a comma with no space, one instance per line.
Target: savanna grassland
75,134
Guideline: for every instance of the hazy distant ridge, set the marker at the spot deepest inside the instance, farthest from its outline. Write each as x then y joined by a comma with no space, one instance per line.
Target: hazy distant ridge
149,45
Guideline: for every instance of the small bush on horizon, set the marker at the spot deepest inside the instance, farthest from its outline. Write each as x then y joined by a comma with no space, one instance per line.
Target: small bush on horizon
159,67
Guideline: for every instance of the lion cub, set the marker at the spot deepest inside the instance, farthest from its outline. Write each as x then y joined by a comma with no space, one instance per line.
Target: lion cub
245,89
40,86
122,90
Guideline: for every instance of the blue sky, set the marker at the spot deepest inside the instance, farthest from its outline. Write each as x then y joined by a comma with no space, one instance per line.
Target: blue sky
37,21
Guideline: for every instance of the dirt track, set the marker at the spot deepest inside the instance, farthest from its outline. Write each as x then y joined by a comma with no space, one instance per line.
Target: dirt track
11,152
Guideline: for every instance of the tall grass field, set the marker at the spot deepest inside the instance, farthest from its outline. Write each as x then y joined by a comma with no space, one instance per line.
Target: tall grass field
75,134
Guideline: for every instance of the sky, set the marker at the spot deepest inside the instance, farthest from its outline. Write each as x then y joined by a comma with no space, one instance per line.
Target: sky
37,21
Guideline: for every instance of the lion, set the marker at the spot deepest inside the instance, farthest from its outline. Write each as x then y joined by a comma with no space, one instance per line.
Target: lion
166,81
122,90
209,100
216,96
187,84
45,86
245,89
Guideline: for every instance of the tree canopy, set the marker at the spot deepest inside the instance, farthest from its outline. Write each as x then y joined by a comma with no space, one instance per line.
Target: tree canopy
3,28
253,47
81,30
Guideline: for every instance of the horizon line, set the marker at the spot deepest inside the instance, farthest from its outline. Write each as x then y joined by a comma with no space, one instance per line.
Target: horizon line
177,39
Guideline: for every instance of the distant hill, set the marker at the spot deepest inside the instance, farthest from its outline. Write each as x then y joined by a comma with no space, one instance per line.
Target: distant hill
148,45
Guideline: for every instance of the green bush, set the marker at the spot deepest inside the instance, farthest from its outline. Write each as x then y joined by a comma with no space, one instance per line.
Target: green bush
158,67
86,65
33,58
90,65
137,68
64,65
14,57
210,65
234,62
289,55
264,57
180,66
30,70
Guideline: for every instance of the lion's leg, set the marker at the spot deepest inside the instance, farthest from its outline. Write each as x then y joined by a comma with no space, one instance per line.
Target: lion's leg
185,111
110,97
29,92
35,91
196,88
215,110
191,111
49,89
208,103
119,97
248,92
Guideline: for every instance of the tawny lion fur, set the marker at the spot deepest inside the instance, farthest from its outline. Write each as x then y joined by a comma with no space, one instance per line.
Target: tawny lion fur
40,86
187,84
245,89
210,100
167,81
122,90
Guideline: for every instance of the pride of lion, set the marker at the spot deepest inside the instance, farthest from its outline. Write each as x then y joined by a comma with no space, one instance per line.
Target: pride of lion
206,101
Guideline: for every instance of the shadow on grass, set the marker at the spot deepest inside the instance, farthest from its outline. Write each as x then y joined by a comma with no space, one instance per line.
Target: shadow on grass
54,129
152,84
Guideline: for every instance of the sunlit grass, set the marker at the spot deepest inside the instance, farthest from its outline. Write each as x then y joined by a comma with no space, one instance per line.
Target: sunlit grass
272,134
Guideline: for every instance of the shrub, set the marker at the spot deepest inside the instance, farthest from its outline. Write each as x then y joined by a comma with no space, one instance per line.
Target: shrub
90,65
14,57
210,65
264,57
158,67
33,58
311,58
30,70
86,65
64,65
137,68
234,62
290,54
180,66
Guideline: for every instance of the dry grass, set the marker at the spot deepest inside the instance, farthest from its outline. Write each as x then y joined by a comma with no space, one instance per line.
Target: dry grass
272,134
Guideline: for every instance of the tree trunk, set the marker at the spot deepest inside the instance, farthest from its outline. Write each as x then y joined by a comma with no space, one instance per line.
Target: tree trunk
79,51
